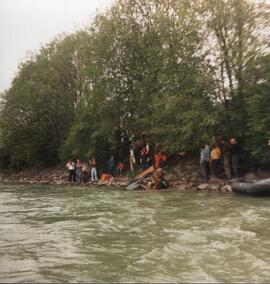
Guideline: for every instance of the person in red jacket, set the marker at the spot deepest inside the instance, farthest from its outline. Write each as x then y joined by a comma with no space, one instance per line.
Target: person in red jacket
159,159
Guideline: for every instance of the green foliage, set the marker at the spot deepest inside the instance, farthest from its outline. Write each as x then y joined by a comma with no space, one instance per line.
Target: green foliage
39,106
257,104
146,68
150,79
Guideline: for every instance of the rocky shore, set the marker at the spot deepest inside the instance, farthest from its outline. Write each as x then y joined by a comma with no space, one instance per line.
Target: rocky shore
185,176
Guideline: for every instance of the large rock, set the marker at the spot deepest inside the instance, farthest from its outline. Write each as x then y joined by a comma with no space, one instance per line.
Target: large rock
226,188
181,187
214,186
203,186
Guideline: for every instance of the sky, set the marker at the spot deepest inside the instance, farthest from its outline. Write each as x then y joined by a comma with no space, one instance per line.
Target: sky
27,24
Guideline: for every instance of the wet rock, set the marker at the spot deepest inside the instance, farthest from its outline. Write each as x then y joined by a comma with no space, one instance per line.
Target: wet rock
226,188
44,182
179,186
214,187
203,186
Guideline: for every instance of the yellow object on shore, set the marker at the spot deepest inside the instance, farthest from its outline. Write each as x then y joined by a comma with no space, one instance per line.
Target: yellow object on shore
145,172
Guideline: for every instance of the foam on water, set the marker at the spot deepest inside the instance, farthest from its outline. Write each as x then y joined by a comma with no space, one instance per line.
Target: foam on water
72,234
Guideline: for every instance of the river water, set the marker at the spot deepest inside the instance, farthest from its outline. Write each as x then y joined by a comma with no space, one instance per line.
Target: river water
78,234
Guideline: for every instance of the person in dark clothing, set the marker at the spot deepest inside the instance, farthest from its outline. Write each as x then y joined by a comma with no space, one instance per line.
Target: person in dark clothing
235,153
144,157
225,154
111,165
148,152
138,149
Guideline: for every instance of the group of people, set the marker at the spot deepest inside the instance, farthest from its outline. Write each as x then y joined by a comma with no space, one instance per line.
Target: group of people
115,168
142,155
87,170
224,157
82,171
139,154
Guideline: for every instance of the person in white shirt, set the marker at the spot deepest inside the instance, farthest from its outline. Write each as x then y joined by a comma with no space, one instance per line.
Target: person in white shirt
132,159
71,167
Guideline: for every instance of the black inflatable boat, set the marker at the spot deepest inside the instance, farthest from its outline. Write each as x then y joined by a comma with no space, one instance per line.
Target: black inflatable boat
261,187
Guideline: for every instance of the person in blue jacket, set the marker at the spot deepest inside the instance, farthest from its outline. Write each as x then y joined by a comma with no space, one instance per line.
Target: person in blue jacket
111,165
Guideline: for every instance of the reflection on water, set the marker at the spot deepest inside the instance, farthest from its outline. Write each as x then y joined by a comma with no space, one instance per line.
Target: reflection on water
73,234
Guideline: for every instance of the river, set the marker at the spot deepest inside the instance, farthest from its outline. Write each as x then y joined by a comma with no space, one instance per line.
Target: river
78,234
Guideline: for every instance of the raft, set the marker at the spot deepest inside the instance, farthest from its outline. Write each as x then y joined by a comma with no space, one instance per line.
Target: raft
260,188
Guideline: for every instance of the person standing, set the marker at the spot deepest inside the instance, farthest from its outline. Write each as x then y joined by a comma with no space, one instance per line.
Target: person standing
93,170
147,148
143,160
132,160
111,165
85,171
235,152
71,167
159,159
204,162
120,168
225,154
78,171
215,160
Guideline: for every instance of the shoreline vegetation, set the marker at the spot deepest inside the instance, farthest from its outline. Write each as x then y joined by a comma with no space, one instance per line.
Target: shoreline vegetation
184,176
176,73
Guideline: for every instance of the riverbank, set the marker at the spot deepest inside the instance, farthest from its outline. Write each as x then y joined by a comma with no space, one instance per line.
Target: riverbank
183,176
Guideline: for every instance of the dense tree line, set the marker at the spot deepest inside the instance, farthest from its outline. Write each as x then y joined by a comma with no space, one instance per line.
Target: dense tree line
177,72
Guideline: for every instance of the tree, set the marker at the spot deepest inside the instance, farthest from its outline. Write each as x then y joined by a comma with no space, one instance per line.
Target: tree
39,106
237,33
257,104
146,73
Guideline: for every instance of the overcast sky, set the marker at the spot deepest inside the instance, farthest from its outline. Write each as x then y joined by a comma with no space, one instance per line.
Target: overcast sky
26,24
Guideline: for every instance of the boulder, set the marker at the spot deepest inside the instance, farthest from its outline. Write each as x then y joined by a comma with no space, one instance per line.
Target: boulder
214,186
203,186
226,188
180,187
